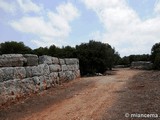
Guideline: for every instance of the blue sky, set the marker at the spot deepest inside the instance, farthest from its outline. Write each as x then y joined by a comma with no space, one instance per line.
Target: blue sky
131,26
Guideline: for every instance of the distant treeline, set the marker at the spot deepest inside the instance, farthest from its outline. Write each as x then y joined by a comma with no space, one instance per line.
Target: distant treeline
94,57
127,60
154,57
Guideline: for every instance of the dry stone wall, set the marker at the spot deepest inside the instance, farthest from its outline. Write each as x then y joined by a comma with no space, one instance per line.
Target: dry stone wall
144,65
22,75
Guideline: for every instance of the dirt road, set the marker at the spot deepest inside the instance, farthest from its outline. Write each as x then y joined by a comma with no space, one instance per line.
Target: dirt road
92,98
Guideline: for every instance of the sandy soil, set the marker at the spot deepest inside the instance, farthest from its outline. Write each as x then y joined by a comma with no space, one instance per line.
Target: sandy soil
93,98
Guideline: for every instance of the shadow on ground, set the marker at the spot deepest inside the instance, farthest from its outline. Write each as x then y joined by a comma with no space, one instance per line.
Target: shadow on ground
43,100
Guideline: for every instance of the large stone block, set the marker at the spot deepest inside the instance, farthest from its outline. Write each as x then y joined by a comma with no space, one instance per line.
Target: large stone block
62,76
70,61
27,86
32,60
55,60
48,81
71,67
7,73
2,88
29,71
42,69
54,78
64,67
12,60
45,59
43,83
19,72
146,65
45,69
70,75
61,61
55,68
1,75
12,87
54,75
37,71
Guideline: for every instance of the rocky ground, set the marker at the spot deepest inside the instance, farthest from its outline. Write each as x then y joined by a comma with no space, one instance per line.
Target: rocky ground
107,97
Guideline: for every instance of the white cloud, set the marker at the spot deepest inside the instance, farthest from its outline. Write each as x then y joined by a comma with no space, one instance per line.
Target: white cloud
34,25
25,6
52,28
67,11
157,7
28,6
7,7
124,28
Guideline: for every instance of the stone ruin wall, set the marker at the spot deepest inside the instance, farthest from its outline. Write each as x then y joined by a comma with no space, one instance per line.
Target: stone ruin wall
23,75
143,65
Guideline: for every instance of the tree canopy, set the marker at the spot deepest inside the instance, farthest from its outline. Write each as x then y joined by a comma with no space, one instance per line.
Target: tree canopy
127,60
14,47
95,57
155,55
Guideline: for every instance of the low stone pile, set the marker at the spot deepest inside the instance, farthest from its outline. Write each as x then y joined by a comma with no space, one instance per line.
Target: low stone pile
22,75
144,65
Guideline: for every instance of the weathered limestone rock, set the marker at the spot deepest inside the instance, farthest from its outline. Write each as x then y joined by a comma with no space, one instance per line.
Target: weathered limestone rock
12,87
45,69
32,60
61,61
55,60
48,81
19,73
37,71
45,59
43,83
36,80
54,78
71,67
27,86
17,81
1,88
77,73
1,75
62,76
37,83
76,67
69,75
146,65
54,75
55,68
64,67
42,69
29,71
12,60
8,73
